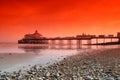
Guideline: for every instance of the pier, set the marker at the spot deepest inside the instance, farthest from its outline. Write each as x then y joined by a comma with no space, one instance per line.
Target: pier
80,39
37,38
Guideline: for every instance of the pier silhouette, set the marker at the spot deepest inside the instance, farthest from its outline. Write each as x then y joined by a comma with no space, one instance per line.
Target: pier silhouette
37,38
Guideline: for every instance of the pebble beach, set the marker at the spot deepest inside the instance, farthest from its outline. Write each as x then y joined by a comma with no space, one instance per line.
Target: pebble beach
93,65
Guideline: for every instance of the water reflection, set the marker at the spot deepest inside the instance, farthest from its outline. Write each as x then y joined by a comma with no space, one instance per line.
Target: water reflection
32,48
37,48
69,47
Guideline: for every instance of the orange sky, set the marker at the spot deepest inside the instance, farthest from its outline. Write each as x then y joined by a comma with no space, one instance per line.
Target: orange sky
58,17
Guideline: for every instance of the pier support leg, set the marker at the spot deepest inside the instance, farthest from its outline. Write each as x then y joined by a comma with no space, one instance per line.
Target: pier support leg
47,41
88,41
119,40
96,40
111,39
79,43
69,44
61,43
53,44
89,44
103,40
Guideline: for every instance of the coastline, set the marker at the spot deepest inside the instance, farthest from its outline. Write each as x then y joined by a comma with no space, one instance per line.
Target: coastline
96,64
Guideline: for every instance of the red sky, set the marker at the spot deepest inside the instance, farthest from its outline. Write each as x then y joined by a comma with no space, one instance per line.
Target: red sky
54,18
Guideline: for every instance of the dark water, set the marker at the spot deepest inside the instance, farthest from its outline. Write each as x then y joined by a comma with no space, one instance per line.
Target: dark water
14,56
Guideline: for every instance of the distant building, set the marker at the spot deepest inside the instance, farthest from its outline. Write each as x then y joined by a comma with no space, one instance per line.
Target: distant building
110,35
118,34
101,36
85,36
35,38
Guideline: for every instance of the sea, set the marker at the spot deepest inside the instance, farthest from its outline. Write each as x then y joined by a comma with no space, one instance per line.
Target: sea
15,56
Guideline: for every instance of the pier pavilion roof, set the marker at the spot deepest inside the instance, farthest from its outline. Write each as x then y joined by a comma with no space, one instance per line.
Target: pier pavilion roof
35,35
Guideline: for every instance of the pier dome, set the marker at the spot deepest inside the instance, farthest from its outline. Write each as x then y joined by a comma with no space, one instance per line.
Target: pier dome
35,35
35,38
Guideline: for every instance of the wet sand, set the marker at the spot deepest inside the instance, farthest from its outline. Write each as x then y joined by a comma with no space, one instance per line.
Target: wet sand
8,61
93,65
